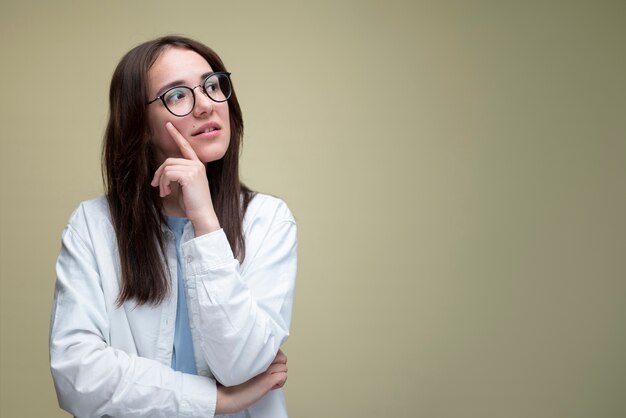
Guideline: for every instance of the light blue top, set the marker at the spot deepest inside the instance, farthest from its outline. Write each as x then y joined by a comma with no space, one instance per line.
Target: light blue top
183,358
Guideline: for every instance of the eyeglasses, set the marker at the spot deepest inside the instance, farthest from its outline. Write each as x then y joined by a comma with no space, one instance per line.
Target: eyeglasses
181,100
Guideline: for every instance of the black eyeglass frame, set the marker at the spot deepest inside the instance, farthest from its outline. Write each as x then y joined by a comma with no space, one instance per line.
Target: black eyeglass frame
193,93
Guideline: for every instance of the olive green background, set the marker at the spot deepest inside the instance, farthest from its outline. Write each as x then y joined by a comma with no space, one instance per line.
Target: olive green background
457,170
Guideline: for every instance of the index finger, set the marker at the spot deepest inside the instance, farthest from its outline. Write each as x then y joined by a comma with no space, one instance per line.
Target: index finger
185,147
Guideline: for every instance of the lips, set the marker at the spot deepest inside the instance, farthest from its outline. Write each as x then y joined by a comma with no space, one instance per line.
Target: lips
207,128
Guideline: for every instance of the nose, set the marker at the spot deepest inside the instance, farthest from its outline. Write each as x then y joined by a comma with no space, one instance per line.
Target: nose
204,105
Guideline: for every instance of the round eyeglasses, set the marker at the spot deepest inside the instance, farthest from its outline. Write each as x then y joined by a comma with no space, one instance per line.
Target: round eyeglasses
180,100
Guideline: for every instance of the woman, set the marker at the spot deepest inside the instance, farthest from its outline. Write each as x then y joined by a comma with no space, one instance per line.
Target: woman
174,290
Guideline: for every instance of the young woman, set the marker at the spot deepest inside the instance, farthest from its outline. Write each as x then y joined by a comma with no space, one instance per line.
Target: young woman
174,290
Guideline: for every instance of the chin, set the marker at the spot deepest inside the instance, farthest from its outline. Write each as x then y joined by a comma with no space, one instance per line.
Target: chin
209,157
212,150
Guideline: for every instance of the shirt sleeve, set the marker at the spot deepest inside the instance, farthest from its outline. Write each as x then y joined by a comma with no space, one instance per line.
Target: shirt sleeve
93,379
242,318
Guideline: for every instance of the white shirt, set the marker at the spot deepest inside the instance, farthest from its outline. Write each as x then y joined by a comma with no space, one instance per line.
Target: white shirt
110,361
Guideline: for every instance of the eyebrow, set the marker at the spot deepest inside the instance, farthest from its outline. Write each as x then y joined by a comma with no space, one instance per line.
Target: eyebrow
180,83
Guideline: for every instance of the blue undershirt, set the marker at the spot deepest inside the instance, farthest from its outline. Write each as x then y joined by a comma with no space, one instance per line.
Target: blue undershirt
183,358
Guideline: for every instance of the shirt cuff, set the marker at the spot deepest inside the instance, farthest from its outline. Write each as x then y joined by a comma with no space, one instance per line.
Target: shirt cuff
207,252
200,397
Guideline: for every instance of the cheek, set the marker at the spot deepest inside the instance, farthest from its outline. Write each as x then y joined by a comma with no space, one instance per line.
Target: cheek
160,138
225,116
157,123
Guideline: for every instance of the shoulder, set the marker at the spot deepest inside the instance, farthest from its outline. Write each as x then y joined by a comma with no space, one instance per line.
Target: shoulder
267,209
91,210
270,233
91,216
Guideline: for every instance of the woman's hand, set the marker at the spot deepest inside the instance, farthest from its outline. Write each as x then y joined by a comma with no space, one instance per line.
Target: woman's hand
189,173
237,398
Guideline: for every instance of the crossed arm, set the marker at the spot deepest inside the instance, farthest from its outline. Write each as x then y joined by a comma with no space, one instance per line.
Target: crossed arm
244,318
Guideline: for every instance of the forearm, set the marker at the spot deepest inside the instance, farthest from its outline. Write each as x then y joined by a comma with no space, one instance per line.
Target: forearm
242,320
93,377
93,381
239,338
237,398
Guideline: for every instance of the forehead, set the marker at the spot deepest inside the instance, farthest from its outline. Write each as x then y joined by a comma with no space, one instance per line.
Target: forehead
177,64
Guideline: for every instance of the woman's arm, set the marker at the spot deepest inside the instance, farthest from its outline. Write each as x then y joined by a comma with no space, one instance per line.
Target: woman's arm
243,318
237,398
94,379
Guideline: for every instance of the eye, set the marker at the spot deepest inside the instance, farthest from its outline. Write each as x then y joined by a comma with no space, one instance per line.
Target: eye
211,86
176,95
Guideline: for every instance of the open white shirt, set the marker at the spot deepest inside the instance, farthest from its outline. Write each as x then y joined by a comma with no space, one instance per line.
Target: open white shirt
110,361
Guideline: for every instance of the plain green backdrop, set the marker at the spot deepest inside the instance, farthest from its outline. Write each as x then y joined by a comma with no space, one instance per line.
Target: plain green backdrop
457,170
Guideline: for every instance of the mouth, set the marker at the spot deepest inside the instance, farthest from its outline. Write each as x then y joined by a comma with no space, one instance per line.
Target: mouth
206,129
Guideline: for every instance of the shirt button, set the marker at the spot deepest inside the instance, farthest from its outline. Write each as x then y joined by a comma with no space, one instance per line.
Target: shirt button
189,259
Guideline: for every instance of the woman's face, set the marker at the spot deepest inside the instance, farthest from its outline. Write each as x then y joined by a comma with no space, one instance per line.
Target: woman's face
207,127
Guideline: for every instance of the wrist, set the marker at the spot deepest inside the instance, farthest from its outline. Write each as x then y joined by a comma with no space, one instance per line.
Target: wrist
225,401
205,224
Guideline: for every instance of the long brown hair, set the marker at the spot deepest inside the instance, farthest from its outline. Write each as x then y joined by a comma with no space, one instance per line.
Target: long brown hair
128,164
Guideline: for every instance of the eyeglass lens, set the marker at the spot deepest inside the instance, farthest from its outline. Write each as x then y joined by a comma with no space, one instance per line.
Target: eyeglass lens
180,100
